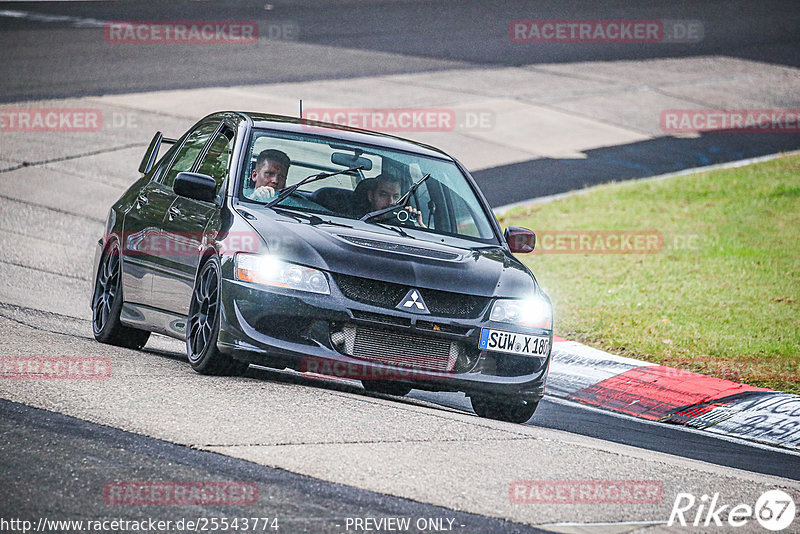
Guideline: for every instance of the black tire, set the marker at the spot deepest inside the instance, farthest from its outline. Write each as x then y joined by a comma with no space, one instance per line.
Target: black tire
107,303
202,326
511,410
386,387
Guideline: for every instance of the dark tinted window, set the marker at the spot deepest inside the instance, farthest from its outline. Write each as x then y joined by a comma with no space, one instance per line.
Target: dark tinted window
189,151
216,161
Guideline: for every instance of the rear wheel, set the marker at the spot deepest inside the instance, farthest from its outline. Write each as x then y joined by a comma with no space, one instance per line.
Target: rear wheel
107,304
386,387
510,410
203,326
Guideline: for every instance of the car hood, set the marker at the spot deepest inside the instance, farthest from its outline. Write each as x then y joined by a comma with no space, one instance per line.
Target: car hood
370,251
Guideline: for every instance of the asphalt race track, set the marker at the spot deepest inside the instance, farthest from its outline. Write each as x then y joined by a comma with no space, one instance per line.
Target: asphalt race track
301,503
322,452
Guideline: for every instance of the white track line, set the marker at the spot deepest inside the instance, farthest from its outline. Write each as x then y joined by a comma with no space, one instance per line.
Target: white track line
727,165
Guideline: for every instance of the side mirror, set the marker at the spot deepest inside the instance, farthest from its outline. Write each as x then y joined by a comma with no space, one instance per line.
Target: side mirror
149,158
196,186
520,240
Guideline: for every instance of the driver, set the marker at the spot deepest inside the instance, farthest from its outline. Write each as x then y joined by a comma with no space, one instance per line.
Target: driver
269,175
386,192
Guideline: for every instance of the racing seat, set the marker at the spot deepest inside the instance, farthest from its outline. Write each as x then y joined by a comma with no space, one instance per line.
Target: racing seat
360,202
336,199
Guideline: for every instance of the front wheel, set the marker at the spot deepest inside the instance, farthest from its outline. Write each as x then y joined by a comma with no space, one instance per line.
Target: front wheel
107,304
509,410
203,326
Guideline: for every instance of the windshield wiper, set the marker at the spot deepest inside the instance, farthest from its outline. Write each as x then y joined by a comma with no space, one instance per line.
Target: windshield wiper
396,229
285,192
401,202
312,218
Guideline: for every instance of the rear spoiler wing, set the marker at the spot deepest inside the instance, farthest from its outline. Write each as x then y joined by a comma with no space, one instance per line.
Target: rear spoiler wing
150,155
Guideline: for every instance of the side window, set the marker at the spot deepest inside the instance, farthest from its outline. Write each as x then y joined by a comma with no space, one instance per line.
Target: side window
189,151
215,162
161,165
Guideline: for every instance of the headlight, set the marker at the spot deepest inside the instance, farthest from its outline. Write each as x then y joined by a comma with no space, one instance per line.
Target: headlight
269,271
525,312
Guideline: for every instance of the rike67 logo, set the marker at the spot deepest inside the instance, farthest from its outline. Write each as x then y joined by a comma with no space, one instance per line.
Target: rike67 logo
774,510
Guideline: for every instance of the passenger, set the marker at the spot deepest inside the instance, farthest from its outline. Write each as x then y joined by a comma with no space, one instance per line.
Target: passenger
385,192
269,175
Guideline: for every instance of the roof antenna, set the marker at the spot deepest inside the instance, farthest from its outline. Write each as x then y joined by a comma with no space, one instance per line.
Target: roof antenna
301,108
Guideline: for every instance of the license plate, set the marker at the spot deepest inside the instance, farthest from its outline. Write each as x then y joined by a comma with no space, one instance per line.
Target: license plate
513,343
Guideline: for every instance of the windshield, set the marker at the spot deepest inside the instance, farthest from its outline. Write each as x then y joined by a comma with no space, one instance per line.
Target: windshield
370,180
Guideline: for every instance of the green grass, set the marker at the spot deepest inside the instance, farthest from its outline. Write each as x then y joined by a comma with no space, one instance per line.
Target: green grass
723,295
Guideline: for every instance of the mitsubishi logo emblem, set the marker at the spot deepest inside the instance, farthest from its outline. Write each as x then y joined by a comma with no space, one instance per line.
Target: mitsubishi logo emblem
413,302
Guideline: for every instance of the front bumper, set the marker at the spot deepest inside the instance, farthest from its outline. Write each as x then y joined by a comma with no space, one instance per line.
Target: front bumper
303,331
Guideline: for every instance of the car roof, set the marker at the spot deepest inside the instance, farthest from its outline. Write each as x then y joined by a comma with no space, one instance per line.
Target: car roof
345,133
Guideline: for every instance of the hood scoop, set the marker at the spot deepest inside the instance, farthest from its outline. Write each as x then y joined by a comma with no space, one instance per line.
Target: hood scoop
400,248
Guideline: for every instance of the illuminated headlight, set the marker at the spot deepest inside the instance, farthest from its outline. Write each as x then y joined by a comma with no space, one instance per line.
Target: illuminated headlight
269,271
525,312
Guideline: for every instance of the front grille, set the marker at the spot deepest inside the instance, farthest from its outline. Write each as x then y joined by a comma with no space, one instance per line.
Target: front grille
446,328
405,322
401,349
389,295
381,318
368,291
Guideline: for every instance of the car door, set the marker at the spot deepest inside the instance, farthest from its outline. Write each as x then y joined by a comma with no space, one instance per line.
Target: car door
186,222
141,235
159,253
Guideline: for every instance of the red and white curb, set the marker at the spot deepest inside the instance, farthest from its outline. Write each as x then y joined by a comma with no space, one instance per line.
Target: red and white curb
658,393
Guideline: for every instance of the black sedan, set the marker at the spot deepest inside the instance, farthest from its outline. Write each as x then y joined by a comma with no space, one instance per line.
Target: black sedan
297,245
